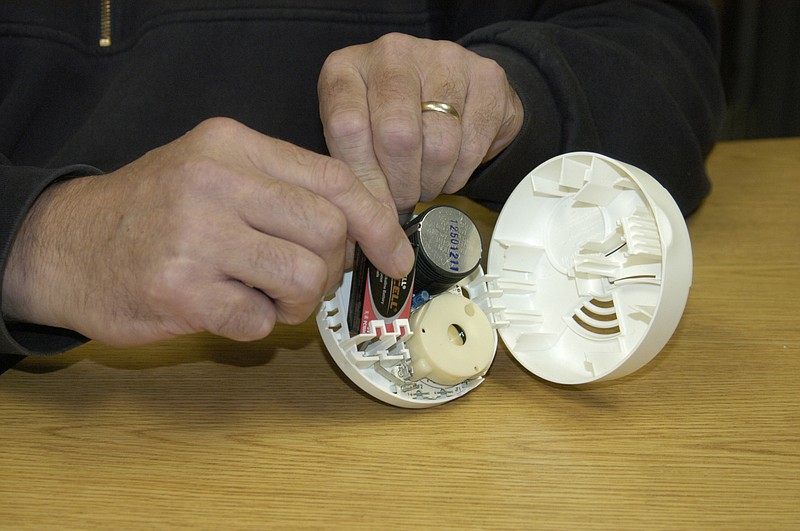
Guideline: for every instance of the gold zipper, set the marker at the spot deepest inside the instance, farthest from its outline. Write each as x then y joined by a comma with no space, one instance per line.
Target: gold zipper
105,23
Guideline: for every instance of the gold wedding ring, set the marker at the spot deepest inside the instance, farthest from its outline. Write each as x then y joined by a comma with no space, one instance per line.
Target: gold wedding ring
439,106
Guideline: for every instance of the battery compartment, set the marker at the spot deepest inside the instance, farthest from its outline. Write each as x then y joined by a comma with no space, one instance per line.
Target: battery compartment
380,362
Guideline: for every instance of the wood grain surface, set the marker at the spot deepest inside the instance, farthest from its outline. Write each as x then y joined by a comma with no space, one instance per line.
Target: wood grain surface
202,432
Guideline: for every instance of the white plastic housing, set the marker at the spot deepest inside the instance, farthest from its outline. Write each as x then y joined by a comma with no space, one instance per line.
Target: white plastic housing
594,261
589,270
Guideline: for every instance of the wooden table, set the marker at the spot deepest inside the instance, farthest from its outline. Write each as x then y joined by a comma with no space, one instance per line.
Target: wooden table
203,432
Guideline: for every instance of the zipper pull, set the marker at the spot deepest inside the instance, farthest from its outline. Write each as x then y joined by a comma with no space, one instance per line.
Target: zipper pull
105,23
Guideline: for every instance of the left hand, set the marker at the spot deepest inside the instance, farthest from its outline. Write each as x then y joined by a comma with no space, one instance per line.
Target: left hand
370,105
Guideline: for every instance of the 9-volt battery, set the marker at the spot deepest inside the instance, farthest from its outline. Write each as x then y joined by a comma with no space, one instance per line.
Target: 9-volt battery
375,296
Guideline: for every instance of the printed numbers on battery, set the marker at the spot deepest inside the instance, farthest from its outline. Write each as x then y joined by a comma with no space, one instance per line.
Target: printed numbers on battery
454,245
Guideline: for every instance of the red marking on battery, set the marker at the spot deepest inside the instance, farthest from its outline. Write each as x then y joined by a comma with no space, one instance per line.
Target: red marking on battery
375,296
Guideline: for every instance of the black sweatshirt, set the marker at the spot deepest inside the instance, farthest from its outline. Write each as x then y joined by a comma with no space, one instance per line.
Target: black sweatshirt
637,81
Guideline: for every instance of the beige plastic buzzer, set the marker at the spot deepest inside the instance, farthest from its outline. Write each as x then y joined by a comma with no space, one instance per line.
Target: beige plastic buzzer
453,340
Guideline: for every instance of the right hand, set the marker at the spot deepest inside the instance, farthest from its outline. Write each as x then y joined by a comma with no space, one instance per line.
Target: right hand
370,96
169,244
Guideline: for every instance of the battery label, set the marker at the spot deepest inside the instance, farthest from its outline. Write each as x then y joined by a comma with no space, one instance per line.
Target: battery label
375,296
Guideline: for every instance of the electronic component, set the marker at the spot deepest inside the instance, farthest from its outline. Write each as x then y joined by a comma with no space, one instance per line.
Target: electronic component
453,340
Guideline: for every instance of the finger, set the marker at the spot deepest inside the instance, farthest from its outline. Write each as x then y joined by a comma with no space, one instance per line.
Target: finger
224,307
441,135
486,108
269,205
293,277
295,214
369,222
213,289
235,311
511,126
346,122
394,102
349,253
441,132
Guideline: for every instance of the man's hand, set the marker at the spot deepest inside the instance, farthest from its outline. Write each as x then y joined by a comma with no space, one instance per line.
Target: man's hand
370,105
172,243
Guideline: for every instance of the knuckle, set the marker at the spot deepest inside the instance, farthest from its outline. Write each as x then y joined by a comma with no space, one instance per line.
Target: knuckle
345,124
322,223
333,230
333,63
204,174
333,178
335,71
167,284
240,318
450,53
213,129
298,275
310,278
442,149
394,42
225,318
237,315
294,314
341,58
398,136
278,257
262,327
492,72
200,169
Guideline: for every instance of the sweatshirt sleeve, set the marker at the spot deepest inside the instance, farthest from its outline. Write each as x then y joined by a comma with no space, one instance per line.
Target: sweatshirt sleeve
637,81
21,186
